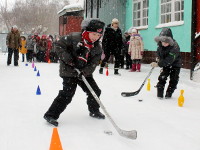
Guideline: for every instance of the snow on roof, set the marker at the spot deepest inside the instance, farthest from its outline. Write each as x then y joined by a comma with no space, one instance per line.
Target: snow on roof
71,8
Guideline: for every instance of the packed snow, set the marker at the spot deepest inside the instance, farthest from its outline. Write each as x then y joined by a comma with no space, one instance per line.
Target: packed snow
161,124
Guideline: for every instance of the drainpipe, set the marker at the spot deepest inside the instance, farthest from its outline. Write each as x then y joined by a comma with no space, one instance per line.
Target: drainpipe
193,29
98,8
86,8
91,15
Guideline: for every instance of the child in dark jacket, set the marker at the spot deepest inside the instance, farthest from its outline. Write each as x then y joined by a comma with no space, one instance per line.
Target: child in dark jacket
80,51
126,41
169,59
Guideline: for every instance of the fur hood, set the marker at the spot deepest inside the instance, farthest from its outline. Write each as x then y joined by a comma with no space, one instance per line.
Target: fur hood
165,36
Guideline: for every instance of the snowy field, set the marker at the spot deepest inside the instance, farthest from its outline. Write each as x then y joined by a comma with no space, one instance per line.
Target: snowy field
161,124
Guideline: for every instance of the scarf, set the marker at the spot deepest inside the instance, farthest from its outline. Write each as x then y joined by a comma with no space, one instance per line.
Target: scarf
86,40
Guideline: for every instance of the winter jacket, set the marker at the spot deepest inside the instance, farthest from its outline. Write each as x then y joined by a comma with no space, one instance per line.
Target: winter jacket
136,47
23,49
66,49
43,45
13,40
112,40
170,55
30,44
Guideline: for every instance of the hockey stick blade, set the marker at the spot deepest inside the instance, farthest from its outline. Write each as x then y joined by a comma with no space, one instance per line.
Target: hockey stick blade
127,94
128,134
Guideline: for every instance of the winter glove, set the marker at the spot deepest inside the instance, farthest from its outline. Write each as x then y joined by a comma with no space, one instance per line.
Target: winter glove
142,52
81,57
154,64
80,74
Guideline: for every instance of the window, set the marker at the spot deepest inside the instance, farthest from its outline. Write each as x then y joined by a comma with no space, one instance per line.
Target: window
140,12
171,10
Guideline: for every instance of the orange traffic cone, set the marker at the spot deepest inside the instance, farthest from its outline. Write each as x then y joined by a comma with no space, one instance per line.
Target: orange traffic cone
49,61
55,141
107,71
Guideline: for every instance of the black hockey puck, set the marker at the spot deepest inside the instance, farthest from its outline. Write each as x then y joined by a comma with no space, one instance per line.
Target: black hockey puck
140,100
108,132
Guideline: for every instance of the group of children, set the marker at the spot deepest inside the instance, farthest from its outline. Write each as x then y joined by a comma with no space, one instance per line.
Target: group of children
38,49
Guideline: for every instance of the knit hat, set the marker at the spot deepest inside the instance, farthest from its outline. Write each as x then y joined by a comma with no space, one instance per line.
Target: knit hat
93,25
14,27
115,20
134,30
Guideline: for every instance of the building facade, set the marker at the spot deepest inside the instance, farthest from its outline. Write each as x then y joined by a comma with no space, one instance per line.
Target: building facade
149,17
106,10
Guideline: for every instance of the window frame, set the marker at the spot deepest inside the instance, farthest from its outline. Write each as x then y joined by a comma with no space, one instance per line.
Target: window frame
173,11
141,14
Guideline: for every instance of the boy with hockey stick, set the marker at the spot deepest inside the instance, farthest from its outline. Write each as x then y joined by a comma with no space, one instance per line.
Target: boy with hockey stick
78,51
169,59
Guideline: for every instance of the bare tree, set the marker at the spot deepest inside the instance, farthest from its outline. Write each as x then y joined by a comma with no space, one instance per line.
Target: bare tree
5,15
34,15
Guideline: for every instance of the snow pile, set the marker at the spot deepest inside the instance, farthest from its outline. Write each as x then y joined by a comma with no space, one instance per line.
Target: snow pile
170,24
161,124
72,8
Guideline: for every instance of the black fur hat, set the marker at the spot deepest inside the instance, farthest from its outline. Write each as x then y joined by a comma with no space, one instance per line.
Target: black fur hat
165,36
93,25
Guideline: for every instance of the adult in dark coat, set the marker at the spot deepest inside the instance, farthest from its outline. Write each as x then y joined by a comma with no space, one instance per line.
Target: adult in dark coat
78,51
13,41
169,59
112,45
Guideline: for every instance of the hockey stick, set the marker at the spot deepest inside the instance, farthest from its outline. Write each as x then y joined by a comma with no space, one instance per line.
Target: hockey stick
128,134
127,94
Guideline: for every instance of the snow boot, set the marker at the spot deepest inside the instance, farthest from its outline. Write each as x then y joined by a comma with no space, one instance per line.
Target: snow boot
138,67
97,115
127,67
101,70
168,95
116,72
51,120
160,91
133,69
169,92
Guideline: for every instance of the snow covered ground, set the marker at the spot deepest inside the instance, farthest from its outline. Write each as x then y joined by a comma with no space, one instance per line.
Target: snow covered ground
161,124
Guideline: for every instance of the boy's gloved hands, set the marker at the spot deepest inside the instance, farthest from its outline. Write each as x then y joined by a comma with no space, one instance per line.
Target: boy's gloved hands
80,74
154,64
81,57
